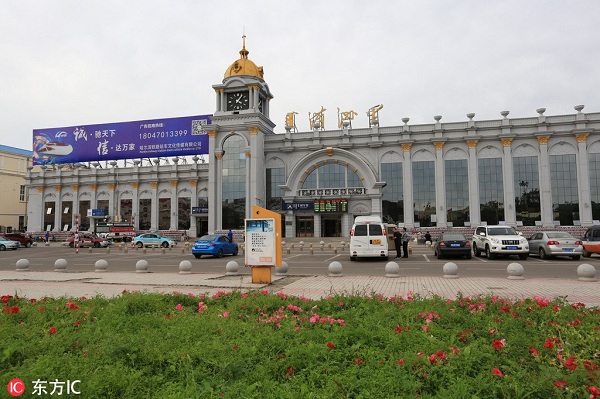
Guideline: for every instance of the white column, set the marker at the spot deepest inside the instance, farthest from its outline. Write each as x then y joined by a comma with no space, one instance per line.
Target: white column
510,215
154,208
545,185
174,207
440,186
407,198
58,209
583,177
474,211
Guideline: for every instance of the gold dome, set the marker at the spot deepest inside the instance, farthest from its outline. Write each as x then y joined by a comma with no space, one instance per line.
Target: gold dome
244,66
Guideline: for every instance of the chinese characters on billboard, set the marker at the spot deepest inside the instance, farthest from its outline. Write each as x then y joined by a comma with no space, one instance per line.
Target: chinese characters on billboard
122,140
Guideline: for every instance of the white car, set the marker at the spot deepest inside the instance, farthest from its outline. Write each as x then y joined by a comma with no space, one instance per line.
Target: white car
499,240
5,244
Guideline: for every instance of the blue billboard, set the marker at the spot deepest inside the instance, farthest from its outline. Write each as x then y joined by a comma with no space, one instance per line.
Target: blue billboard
122,140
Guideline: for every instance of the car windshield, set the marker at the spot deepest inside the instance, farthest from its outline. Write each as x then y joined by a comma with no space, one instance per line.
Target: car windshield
453,237
208,237
502,231
559,235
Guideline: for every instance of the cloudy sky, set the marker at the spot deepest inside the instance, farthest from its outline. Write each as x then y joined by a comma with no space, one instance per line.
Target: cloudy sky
76,62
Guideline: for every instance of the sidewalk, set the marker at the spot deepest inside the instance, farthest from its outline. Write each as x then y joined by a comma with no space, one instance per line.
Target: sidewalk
108,284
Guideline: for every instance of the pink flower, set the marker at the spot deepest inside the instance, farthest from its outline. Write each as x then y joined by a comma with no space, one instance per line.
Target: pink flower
400,361
179,306
560,384
534,351
432,358
497,372
226,314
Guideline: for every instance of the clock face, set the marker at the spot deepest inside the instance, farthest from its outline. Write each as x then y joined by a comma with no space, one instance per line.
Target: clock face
237,101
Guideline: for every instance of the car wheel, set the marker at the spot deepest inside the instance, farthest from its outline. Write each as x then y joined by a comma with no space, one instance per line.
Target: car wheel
197,256
27,244
476,250
488,253
164,244
543,254
139,244
439,255
220,253
523,256
575,257
235,252
352,258
586,254
2,248
96,245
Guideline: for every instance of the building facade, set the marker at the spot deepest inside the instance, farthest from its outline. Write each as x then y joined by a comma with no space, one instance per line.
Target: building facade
13,196
540,171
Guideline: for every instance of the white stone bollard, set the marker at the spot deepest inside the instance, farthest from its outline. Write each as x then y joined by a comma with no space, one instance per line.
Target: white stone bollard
392,269
185,267
232,268
101,266
23,265
282,270
515,271
141,266
335,269
450,270
60,265
586,272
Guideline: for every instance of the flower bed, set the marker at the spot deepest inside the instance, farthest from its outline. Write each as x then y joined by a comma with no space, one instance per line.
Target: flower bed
272,346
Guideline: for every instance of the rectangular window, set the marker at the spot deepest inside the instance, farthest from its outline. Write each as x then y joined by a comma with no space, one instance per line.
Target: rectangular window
491,190
423,174
565,198
457,191
527,190
22,194
393,192
275,178
594,163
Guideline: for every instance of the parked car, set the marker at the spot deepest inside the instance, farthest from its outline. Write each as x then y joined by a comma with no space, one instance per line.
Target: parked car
499,240
5,244
88,240
555,243
455,244
215,245
591,241
153,239
368,238
23,239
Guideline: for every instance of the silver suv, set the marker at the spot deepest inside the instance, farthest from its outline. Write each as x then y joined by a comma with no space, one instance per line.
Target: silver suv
499,240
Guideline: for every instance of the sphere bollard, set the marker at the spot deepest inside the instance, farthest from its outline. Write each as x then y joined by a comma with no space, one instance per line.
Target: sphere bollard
23,265
335,269
144,250
450,270
282,270
185,267
343,244
586,272
107,250
283,243
164,250
141,266
232,268
515,271
301,245
90,250
322,244
335,250
60,265
126,249
392,270
101,266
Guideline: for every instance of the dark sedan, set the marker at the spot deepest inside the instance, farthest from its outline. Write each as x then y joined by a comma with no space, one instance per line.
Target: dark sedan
215,245
452,244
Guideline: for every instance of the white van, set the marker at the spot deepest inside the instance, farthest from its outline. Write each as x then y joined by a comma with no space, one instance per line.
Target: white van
368,238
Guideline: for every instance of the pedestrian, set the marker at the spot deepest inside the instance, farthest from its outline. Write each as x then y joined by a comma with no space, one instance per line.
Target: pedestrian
397,242
230,236
47,236
405,240
427,237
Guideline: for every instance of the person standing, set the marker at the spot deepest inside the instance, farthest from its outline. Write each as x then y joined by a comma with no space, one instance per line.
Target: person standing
405,240
230,236
397,242
427,237
47,236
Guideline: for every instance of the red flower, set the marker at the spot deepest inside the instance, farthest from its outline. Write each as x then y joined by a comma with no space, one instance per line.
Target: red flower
595,392
497,372
432,358
589,365
498,343
71,305
570,363
358,361
330,345
534,351
290,371
560,384
400,361
52,330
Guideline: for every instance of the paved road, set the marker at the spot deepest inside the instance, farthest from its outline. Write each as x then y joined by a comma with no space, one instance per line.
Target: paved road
301,262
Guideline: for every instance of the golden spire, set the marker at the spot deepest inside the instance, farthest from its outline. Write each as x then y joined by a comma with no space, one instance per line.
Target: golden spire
243,52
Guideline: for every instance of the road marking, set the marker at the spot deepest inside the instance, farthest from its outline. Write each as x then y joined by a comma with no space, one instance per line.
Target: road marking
426,258
336,256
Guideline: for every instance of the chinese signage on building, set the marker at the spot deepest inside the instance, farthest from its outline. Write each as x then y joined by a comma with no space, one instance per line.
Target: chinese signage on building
123,140
331,205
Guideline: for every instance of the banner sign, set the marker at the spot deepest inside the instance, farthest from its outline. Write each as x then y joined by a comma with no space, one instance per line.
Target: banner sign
121,140
297,206
199,210
96,212
260,242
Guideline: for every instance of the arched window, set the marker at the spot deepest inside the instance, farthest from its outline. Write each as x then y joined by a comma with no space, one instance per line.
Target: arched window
234,183
328,174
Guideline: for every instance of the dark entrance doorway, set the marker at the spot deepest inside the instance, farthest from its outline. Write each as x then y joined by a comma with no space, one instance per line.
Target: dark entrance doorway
305,226
331,226
201,226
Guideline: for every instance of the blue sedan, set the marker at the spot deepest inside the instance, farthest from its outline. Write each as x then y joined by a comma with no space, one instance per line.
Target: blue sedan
215,245
153,240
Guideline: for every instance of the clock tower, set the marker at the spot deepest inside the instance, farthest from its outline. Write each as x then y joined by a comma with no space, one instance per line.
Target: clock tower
236,144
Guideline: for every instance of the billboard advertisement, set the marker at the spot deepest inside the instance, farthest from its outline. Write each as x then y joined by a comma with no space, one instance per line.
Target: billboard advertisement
260,242
121,140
